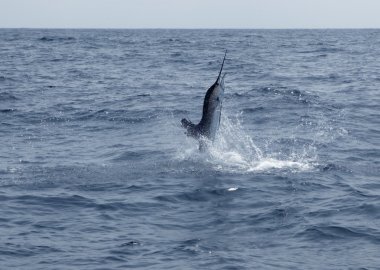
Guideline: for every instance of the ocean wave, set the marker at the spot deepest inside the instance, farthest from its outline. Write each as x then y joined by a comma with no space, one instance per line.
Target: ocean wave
61,201
235,151
181,41
295,94
334,232
69,114
5,79
135,155
26,250
6,96
7,110
326,50
56,38
198,195
333,167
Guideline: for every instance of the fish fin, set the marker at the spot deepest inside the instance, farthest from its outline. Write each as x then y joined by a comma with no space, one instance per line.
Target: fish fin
221,68
192,130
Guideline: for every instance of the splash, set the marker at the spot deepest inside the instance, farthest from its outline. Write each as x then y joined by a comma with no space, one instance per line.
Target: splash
234,150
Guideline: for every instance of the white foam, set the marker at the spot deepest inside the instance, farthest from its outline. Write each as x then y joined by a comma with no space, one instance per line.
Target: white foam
270,163
234,151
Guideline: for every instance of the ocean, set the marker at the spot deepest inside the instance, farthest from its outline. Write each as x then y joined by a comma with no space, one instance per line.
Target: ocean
97,173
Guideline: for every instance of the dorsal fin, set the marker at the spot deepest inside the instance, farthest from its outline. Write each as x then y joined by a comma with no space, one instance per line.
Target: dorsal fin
221,68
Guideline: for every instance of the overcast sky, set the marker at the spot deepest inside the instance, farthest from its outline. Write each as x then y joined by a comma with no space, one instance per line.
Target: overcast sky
190,13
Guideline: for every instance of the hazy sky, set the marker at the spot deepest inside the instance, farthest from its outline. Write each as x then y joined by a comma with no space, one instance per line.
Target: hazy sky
190,13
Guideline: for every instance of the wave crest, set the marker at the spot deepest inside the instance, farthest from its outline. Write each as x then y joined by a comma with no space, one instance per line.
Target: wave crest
234,150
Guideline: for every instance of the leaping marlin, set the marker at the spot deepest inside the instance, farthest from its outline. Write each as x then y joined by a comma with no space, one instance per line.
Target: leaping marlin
212,108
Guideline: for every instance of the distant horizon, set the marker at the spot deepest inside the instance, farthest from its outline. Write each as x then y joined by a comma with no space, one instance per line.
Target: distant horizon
195,14
190,28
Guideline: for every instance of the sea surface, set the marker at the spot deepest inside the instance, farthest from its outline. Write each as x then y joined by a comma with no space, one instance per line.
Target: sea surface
97,173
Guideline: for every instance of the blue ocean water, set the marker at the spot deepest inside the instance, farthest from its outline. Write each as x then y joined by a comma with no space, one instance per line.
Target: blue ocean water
97,173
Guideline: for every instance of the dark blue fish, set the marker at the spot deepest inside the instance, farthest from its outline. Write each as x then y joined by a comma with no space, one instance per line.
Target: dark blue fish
212,108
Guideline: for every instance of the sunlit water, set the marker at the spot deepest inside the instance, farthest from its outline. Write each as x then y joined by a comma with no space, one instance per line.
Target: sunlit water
97,173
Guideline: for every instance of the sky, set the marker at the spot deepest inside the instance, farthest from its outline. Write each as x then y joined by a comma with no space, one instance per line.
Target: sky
190,14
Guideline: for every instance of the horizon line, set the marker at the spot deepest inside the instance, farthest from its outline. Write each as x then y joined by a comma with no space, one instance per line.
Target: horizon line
196,28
